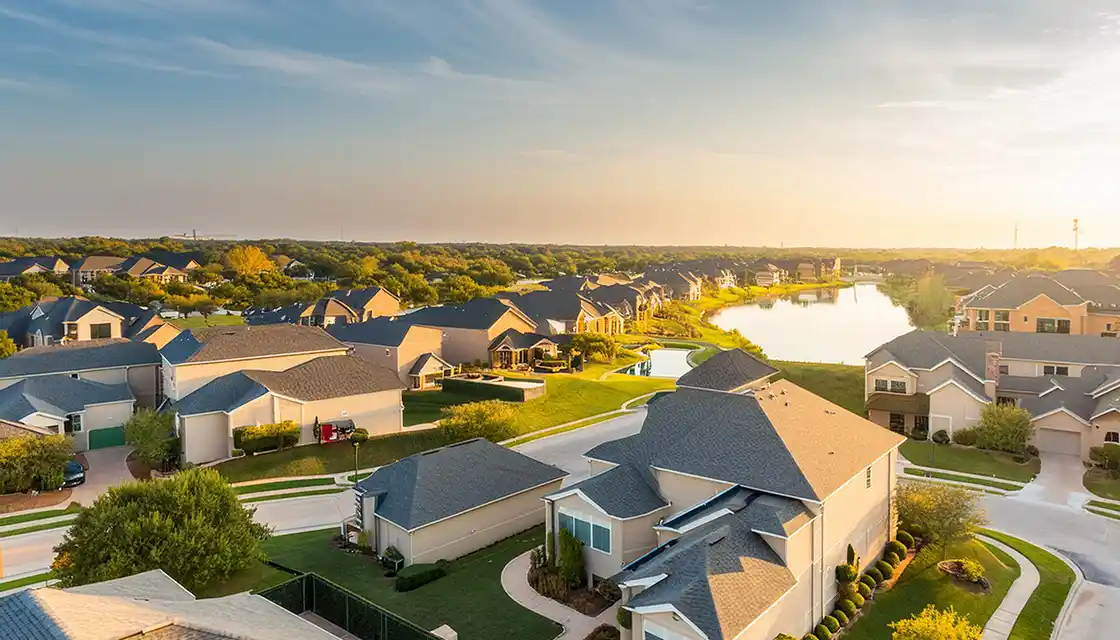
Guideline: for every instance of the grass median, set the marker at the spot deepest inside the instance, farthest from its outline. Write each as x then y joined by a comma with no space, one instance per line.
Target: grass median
1056,578
995,484
294,494
73,508
970,460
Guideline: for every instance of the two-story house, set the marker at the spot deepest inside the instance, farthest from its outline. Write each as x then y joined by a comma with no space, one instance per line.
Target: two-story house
556,312
1072,302
635,303
345,306
470,328
675,284
726,515
400,346
936,381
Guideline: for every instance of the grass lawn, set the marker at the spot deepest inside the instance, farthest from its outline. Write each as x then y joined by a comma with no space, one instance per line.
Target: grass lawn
1036,621
576,396
334,457
572,427
969,460
702,355
257,577
1094,503
838,383
197,322
1115,515
470,598
923,583
1101,483
285,484
23,582
425,406
294,494
952,476
32,529
74,507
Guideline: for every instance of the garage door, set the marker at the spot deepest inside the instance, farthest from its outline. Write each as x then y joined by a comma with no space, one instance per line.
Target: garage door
1055,441
101,438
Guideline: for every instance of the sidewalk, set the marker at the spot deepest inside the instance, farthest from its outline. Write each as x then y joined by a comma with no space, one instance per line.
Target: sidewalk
576,625
1000,625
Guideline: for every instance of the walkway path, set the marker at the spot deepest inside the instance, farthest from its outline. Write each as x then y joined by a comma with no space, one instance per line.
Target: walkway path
1001,622
576,625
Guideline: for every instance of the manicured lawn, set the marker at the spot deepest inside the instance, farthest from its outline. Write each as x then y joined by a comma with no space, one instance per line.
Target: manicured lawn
702,355
969,460
952,476
335,457
572,427
258,577
32,529
470,598
426,406
285,484
197,322
1092,503
1036,621
574,397
838,383
923,583
1101,483
74,507
294,494
23,582
1115,515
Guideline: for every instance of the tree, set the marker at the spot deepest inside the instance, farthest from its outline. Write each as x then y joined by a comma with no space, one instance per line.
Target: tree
1004,427
14,297
151,435
932,624
29,462
248,260
596,346
7,345
458,289
943,513
192,526
490,419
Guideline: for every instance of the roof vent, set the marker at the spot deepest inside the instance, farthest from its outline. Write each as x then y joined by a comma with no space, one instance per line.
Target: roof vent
771,396
787,403
783,392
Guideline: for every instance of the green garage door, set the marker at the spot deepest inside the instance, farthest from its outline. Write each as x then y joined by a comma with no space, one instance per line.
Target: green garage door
101,438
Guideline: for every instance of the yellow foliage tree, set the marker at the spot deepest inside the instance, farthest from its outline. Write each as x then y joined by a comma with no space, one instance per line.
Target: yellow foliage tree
933,624
248,259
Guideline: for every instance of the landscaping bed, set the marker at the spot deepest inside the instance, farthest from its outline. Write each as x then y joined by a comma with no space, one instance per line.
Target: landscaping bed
137,467
12,502
1056,578
970,460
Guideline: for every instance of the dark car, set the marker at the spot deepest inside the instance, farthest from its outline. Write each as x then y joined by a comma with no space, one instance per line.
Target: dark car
73,475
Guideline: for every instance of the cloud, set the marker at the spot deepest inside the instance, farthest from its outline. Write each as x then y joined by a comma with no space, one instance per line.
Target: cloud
490,86
151,64
30,85
75,33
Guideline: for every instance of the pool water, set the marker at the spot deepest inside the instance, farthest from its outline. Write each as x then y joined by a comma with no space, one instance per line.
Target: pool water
662,363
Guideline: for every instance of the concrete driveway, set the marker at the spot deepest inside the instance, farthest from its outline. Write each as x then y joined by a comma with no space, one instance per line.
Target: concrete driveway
1058,483
107,469
565,450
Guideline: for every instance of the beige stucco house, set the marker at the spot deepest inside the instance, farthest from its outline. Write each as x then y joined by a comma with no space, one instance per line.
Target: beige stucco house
399,346
468,329
92,413
344,306
557,312
1069,384
445,503
726,516
1072,302
327,389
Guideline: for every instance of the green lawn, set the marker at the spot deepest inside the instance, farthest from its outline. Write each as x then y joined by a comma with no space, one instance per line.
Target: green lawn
294,494
575,397
923,583
470,598
702,355
284,484
954,477
838,383
1104,505
334,457
969,460
572,427
23,582
426,406
1101,483
73,507
32,529
1108,514
1036,621
258,577
198,322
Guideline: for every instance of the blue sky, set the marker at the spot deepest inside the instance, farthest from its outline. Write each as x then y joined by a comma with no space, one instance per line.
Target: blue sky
824,122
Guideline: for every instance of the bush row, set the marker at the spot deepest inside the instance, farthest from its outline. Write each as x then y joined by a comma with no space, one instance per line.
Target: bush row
264,437
415,576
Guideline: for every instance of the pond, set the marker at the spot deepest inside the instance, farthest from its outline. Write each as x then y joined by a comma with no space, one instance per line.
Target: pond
662,363
821,325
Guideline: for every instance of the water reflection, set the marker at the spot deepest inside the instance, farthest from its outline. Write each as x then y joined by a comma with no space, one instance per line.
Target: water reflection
662,363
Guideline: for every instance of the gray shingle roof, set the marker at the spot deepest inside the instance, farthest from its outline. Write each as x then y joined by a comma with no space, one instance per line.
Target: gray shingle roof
437,484
429,363
57,395
55,312
1018,291
214,344
727,370
543,306
384,331
480,313
626,491
82,355
221,394
22,617
519,340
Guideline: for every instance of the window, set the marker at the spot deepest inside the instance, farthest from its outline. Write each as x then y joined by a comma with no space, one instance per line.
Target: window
1055,370
583,531
652,636
1006,401
898,386
71,332
1112,436
921,423
595,536
1051,325
98,331
881,384
868,477
73,423
1003,321
600,538
1004,369
898,423
982,317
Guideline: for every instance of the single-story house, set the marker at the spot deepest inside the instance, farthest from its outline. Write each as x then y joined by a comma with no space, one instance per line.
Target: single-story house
399,346
428,370
323,390
447,502
514,348
93,413
111,362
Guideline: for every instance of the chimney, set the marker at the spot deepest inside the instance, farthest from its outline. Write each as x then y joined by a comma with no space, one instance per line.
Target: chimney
992,352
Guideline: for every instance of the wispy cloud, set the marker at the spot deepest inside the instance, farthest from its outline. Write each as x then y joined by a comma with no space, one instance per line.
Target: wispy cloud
158,66
31,85
548,154
75,33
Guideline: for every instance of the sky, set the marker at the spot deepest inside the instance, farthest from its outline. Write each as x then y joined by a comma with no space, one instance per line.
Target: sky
862,123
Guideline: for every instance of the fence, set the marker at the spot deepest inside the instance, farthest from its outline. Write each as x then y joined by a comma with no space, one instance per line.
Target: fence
343,608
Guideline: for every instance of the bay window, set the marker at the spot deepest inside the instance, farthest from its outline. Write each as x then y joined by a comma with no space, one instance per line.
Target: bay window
1003,321
592,532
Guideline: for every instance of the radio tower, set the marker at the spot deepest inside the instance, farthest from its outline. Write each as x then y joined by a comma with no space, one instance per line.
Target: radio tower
1076,234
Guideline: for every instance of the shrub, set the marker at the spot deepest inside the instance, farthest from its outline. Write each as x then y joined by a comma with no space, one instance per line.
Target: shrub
875,575
27,462
550,585
897,547
845,590
1106,457
941,436
870,580
892,559
822,632
847,606
415,576
944,513
965,437
853,559
920,433
885,569
809,636
237,453
625,618
603,632
846,573
263,437
784,636
1004,427
864,590
841,617
858,600
1032,451
832,623
972,570
931,623
570,564
906,539
490,419
52,480
150,434
537,558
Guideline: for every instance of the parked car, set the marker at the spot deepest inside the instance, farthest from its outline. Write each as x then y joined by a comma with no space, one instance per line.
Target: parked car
73,475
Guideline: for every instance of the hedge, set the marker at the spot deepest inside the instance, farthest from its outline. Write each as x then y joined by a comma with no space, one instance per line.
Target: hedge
415,576
875,574
906,539
832,623
841,617
822,632
869,581
864,590
265,437
487,391
847,606
897,547
885,569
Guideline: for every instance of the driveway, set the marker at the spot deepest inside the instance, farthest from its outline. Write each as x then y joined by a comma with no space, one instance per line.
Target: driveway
565,450
1058,483
107,469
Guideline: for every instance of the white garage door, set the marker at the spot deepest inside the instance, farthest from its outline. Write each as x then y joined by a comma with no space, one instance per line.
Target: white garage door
1055,441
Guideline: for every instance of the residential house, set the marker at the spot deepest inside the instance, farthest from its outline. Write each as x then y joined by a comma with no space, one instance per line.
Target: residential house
727,514
468,329
197,356
447,502
1040,304
183,261
398,346
514,348
88,269
12,429
765,273
321,390
93,413
938,381
338,307
148,606
37,264
636,303
675,284
585,283
732,371
557,312
58,320
109,362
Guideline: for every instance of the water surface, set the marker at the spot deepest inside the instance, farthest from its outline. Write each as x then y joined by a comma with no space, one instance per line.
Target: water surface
662,363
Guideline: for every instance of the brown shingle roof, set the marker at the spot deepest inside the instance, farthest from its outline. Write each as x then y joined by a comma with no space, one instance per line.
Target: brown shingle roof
214,344
328,377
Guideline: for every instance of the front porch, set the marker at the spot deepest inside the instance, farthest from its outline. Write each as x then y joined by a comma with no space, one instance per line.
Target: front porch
428,371
901,414
509,357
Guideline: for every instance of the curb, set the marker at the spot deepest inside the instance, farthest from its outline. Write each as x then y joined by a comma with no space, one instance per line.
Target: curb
1067,609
